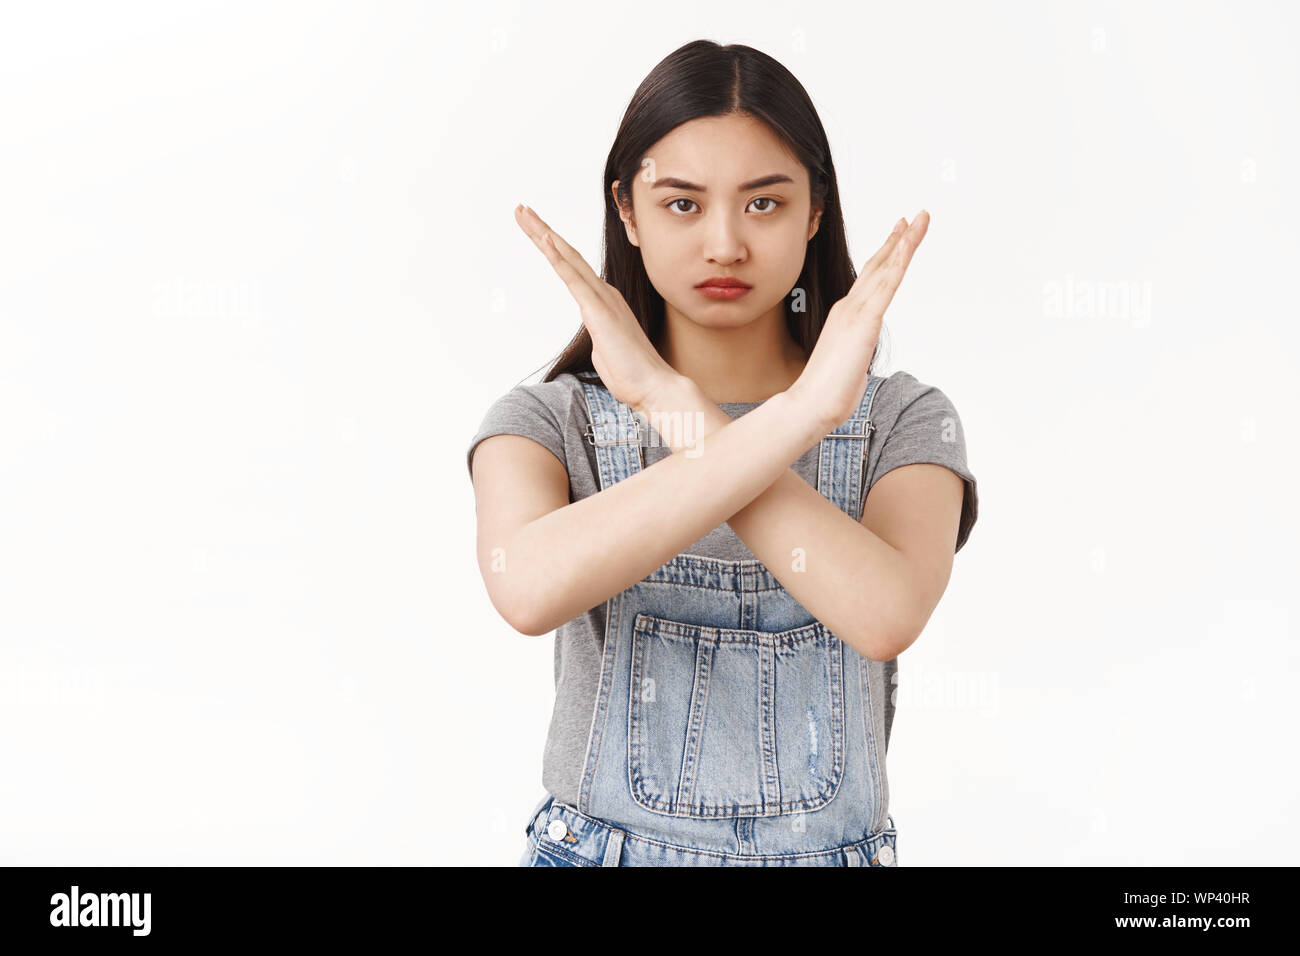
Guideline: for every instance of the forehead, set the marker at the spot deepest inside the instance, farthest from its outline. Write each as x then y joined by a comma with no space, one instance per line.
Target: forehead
723,151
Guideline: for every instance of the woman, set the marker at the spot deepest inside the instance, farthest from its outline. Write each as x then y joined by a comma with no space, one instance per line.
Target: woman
685,496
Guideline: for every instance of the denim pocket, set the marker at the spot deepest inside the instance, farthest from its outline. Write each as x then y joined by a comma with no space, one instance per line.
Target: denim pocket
726,722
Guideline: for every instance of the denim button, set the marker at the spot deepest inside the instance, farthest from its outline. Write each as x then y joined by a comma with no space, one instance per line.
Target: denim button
886,855
556,830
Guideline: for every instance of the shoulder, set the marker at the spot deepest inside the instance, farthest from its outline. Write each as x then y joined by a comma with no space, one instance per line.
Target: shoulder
903,400
555,401
918,423
551,413
555,392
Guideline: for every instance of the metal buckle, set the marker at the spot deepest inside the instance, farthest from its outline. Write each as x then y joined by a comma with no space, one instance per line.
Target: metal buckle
591,435
869,429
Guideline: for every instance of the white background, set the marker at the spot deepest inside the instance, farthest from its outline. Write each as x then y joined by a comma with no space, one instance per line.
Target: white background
260,280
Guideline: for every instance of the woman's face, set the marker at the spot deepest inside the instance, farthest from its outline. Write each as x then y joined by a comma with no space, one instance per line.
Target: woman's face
721,196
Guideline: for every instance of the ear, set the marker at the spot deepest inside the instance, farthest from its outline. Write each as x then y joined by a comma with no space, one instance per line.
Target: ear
814,221
624,213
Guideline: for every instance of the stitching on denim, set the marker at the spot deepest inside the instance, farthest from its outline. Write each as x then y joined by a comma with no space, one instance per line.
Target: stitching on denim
703,587
613,618
789,637
647,626
596,732
813,854
698,703
563,854
869,714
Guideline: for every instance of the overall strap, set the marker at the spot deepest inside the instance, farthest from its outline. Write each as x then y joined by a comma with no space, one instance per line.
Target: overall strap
615,432
841,468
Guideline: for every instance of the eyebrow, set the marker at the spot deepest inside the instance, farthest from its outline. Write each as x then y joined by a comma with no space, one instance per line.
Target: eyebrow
671,182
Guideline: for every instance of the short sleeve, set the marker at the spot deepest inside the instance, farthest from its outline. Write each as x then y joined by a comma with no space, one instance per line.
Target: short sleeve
929,430
520,412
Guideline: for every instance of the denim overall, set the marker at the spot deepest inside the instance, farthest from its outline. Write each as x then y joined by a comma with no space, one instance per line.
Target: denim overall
731,727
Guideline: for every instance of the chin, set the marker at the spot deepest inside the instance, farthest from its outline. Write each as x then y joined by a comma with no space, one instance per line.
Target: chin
724,317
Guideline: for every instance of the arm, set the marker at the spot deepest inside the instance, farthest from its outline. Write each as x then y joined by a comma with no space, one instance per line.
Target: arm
543,569
874,584
664,508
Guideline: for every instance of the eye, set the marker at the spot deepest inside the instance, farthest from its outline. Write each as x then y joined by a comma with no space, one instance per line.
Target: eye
774,204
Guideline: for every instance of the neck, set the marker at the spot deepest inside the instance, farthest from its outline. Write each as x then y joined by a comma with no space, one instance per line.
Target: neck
746,363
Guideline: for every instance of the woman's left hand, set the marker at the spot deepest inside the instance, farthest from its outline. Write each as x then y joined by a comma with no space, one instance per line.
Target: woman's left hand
835,377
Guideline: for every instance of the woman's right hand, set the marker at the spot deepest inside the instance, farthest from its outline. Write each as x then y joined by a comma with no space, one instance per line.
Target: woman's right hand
628,364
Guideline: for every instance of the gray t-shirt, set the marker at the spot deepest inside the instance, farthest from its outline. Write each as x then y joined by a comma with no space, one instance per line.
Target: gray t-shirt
914,423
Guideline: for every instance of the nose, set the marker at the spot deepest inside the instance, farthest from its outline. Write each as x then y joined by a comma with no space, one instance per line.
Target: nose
723,241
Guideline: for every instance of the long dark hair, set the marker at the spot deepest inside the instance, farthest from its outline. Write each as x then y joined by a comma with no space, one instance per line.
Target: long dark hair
704,78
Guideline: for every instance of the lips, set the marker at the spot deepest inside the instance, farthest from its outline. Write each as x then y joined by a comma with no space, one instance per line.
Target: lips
723,282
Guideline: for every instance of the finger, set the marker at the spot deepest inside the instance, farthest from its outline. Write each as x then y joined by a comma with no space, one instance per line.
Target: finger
891,276
866,279
897,248
883,252
535,226
917,230
532,226
542,235
908,240
587,298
